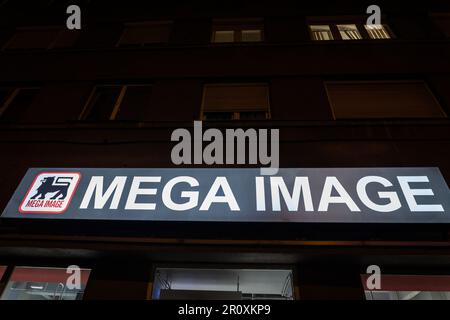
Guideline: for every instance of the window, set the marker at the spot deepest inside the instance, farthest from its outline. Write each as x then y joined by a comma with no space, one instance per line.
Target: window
378,31
222,284
226,31
141,34
409,287
251,35
29,283
235,102
42,38
221,36
321,32
117,102
349,32
382,99
14,102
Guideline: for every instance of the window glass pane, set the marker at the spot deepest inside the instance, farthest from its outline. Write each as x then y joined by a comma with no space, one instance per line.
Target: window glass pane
101,103
251,35
349,32
33,39
28,283
377,31
409,287
224,36
382,100
321,32
19,104
226,284
135,103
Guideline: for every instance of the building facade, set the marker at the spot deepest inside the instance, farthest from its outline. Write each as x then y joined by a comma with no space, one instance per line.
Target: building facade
343,94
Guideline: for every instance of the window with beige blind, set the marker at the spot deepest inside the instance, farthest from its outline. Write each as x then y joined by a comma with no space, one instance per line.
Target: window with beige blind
145,33
382,99
235,102
247,30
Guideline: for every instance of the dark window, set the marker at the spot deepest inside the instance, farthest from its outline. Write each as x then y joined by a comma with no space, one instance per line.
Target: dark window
127,102
101,103
235,102
16,102
145,33
135,103
382,99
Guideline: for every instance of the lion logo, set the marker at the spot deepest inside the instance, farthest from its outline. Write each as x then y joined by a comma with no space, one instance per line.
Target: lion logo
50,193
53,185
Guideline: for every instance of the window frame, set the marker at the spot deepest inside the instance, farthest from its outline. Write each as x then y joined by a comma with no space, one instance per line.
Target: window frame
360,22
237,26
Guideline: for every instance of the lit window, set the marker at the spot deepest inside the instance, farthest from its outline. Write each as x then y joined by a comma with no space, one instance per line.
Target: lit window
321,32
377,31
224,36
247,30
235,102
251,35
409,287
382,99
223,284
28,283
349,32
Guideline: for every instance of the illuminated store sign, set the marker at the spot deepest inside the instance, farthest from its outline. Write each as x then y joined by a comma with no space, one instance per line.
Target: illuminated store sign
350,195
